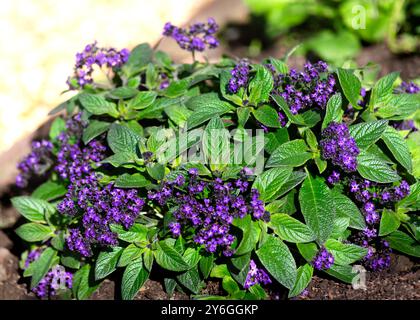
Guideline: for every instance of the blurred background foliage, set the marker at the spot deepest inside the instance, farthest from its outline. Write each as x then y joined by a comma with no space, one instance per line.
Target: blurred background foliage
335,30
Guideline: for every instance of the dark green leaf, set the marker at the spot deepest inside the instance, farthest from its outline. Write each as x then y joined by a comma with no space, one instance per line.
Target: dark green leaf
31,208
291,229
84,283
42,265
122,139
49,191
303,278
373,169
398,147
135,180
279,262
270,182
134,277
344,254
94,129
346,208
139,57
367,133
98,105
170,259
107,262
190,280
333,113
260,86
317,207
293,153
267,116
350,85
122,93
33,232
389,222
400,241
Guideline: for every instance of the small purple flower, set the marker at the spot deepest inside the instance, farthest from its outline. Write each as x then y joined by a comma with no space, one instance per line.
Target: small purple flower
194,38
334,177
338,146
239,76
323,260
55,280
255,276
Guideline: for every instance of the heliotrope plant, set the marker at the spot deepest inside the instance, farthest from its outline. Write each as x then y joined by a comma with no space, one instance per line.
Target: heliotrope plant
163,170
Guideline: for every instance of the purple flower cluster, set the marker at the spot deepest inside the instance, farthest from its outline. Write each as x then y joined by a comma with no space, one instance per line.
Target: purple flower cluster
93,55
55,280
378,258
323,260
208,208
334,177
96,206
407,87
310,88
255,275
196,37
338,146
239,76
32,256
36,163
373,197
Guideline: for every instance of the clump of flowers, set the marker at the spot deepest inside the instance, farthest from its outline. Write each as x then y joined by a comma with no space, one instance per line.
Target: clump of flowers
209,208
239,76
37,163
195,38
407,87
91,56
323,260
97,206
255,276
373,197
55,280
338,146
307,89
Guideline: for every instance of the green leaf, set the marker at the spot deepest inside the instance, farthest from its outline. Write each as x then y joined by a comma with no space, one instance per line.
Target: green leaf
243,115
32,209
294,180
177,88
33,232
135,180
344,273
94,129
107,262
250,234
122,139
98,105
260,86
139,57
178,114
230,285
122,93
350,85
134,277
190,280
267,116
367,133
317,207
373,169
344,207
70,260
389,222
293,153
333,113
398,147
130,253
142,100
308,118
291,229
84,283
121,158
275,139
269,182
382,89
170,259
279,262
280,66
340,226
216,144
205,108
402,242
49,191
303,278
398,106
191,256
345,254
57,127
206,264
41,266
136,233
